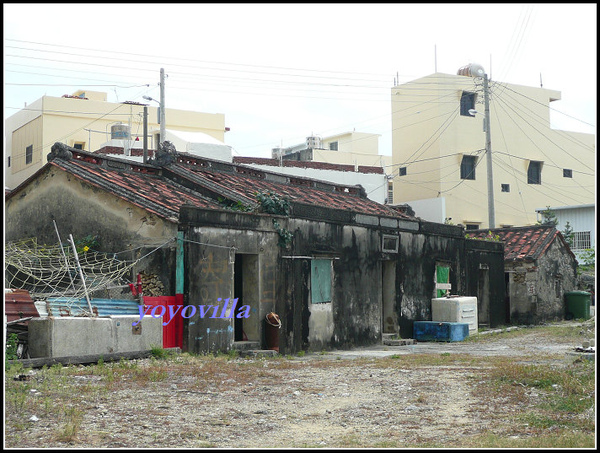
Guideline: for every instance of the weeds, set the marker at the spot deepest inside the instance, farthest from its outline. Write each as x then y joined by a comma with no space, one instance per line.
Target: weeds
529,405
73,417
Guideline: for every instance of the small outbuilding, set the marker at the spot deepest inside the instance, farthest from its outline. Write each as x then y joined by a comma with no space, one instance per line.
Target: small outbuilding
539,268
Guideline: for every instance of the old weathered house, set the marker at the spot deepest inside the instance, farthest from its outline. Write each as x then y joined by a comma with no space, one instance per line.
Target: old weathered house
338,268
539,268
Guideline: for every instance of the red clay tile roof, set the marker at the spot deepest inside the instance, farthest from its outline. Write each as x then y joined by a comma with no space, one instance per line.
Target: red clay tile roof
151,192
524,243
201,182
245,183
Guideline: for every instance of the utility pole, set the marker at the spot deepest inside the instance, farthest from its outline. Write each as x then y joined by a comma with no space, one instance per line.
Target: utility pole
162,106
488,152
145,134
475,70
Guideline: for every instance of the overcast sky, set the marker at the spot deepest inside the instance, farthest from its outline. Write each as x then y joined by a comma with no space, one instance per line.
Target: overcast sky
282,72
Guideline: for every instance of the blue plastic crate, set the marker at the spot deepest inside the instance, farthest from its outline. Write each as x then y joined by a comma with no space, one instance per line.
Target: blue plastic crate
440,331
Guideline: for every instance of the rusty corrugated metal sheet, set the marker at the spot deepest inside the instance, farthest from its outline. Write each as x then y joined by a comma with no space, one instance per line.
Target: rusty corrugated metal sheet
18,304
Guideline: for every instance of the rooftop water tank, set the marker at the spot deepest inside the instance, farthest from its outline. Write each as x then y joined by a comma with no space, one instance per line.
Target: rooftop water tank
120,132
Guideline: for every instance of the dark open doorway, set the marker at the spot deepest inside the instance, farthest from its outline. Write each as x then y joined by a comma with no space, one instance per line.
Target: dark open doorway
246,291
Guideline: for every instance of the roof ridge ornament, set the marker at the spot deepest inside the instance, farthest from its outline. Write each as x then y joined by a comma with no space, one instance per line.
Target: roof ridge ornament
165,155
60,151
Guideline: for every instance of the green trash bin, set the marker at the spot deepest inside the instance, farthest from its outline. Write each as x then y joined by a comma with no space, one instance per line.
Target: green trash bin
577,305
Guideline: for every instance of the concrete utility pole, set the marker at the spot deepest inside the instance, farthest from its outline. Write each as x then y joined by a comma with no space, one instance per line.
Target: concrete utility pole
488,152
145,134
475,70
162,106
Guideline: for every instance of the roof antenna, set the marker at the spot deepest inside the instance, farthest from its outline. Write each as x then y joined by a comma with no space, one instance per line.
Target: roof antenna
541,84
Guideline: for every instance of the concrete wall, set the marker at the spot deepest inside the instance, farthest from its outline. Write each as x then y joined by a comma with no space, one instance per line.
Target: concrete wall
366,287
214,244
72,336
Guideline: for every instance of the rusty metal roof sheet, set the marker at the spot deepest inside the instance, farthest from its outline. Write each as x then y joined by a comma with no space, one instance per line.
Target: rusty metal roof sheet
18,304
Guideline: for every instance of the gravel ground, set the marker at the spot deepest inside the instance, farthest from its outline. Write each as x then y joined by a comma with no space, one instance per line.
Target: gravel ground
335,399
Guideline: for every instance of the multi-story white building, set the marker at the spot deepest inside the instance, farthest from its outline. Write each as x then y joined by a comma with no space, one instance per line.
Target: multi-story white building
439,162
582,221
85,120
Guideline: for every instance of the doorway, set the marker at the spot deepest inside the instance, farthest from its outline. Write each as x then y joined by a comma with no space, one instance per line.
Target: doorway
483,297
246,291
388,289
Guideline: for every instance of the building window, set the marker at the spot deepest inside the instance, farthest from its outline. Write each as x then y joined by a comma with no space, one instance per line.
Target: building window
567,173
79,145
505,187
320,281
581,240
534,172
442,280
390,196
467,102
29,154
402,171
390,244
467,167
472,226
558,287
333,146
9,161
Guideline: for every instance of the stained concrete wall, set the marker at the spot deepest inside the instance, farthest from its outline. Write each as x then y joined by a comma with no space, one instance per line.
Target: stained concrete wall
353,243
73,336
213,242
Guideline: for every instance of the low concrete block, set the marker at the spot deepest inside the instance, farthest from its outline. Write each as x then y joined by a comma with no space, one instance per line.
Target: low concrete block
70,336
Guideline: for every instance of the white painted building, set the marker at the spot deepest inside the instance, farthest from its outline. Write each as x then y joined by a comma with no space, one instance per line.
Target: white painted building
582,219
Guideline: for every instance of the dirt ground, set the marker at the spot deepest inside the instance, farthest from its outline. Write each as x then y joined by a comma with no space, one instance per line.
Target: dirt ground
385,396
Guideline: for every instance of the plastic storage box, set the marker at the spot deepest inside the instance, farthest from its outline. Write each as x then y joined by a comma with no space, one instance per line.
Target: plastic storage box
440,331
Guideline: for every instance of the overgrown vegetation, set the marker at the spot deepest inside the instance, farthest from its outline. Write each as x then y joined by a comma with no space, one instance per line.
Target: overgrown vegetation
272,203
12,342
488,237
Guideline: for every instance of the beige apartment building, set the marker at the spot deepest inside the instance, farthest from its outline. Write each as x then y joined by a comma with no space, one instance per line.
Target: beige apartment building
439,162
85,120
352,148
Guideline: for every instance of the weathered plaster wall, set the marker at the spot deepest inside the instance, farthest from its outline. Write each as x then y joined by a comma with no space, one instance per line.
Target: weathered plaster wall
354,316
418,257
81,210
212,242
485,260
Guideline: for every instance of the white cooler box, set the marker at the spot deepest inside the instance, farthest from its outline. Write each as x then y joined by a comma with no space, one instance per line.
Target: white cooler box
456,309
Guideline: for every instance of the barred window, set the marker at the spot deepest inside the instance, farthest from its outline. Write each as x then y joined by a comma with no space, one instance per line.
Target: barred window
581,240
